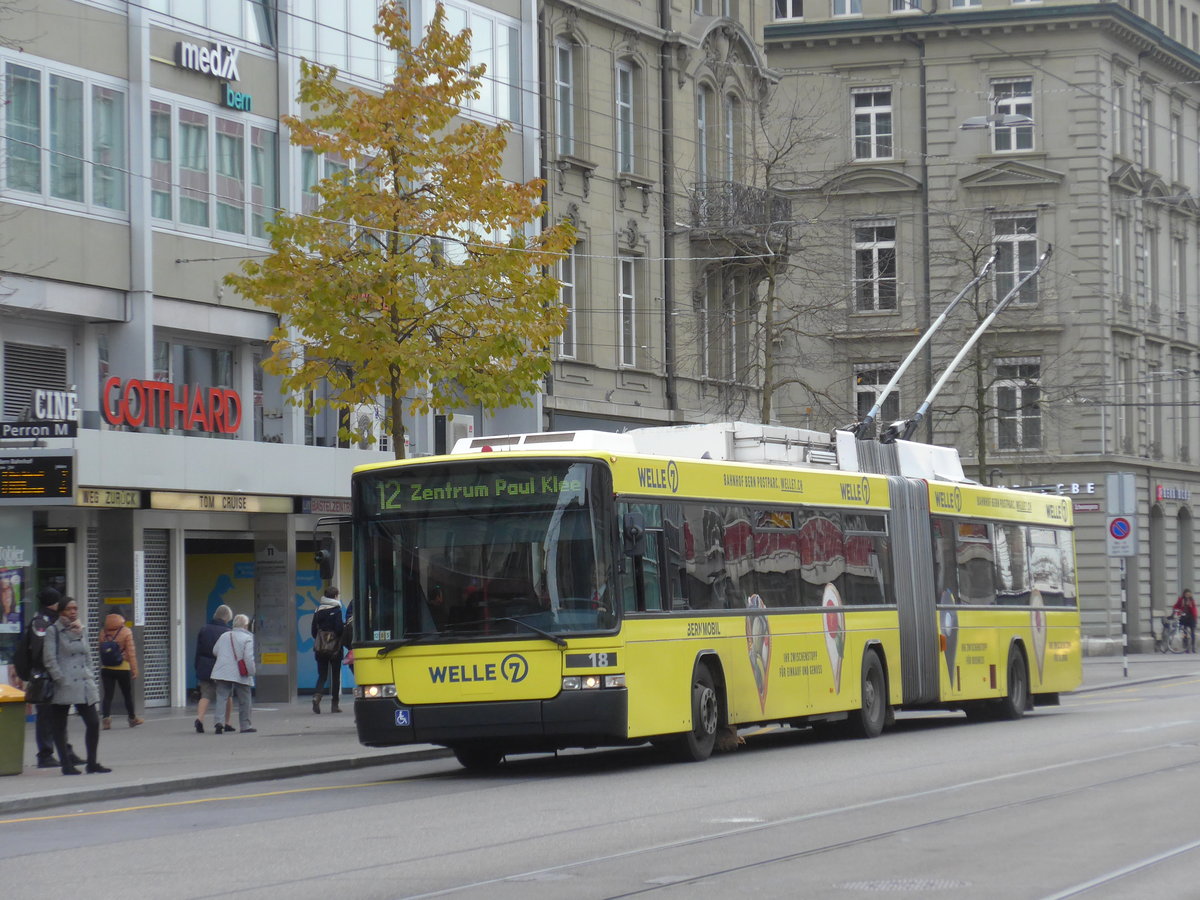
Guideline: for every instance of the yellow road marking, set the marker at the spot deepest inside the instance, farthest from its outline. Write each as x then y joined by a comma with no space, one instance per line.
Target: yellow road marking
124,809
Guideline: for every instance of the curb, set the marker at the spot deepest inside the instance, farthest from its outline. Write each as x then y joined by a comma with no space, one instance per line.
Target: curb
30,802
1128,682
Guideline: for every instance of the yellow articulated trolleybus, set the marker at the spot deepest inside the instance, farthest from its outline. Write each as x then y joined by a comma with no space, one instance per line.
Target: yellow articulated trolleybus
534,592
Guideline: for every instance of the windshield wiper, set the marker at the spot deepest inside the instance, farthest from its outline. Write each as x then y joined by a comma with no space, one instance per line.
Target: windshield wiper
385,647
546,634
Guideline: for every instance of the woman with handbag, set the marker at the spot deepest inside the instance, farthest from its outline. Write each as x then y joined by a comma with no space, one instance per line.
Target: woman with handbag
66,657
233,673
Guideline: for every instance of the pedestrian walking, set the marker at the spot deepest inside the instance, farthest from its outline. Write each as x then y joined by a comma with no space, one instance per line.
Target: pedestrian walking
233,673
65,653
31,669
118,667
1185,608
327,629
206,656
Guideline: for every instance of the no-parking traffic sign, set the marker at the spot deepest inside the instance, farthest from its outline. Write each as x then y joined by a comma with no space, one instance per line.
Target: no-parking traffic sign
1122,536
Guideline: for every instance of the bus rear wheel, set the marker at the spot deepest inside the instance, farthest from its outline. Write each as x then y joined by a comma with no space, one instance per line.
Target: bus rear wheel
1012,704
697,744
868,720
477,758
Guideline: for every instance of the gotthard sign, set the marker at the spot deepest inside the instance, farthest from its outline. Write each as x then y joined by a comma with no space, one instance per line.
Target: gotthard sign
160,404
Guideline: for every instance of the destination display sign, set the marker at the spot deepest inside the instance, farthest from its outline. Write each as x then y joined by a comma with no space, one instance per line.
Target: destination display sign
37,477
453,489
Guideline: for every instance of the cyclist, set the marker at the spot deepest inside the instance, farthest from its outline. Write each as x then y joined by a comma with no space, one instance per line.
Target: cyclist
1185,608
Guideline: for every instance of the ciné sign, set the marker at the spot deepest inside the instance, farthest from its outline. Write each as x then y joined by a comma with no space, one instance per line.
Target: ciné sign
160,404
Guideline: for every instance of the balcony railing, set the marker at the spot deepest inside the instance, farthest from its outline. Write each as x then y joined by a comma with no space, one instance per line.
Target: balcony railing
729,206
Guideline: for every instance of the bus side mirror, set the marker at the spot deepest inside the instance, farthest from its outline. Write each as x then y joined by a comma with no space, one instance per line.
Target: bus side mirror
324,558
635,534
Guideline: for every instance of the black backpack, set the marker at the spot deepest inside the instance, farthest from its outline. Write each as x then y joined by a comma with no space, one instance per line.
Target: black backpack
111,653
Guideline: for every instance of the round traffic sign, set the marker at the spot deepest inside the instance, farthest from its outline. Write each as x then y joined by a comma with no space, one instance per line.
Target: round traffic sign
1120,529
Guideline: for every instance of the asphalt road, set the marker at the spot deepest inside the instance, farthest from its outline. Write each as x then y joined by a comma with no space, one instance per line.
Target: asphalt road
1091,799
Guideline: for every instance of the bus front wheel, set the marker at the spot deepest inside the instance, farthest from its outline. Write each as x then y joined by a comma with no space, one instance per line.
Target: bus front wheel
697,744
868,720
478,759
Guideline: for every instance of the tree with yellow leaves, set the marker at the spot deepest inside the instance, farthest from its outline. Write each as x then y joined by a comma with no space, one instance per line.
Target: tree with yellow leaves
420,281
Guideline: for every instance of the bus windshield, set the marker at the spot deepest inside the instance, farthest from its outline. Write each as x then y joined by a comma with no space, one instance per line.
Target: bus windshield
472,550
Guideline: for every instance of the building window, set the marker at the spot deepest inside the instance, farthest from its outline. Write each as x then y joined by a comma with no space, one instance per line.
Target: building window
732,132
965,4
314,168
627,303
566,296
251,20
869,382
341,33
200,367
701,303
1147,133
65,139
904,6
1125,410
625,144
1121,258
1179,279
1150,275
847,8
1176,138
213,172
872,123
1018,409
1118,119
564,96
495,43
875,266
703,122
789,9
1016,245
1013,97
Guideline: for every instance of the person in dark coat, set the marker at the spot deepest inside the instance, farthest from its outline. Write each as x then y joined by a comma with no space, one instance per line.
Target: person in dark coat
206,656
67,656
328,618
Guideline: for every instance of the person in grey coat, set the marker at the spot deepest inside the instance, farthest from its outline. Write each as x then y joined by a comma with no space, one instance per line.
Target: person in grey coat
66,657
230,648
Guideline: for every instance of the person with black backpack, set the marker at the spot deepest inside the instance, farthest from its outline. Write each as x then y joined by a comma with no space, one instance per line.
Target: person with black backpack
31,669
118,668
327,628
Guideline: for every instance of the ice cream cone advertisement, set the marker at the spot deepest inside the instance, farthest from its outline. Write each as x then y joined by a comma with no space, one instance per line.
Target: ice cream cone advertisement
1037,621
948,627
835,633
758,644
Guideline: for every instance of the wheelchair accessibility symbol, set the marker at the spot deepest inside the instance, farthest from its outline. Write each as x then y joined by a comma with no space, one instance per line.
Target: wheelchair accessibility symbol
403,717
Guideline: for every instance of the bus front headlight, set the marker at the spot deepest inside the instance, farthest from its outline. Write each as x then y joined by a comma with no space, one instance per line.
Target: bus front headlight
374,691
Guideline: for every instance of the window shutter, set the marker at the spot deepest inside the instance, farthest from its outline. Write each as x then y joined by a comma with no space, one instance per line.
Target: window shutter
27,366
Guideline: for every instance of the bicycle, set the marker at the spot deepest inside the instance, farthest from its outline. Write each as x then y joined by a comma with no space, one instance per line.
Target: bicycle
1172,638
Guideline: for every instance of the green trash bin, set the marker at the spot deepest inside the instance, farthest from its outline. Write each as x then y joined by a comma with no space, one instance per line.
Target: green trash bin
12,730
